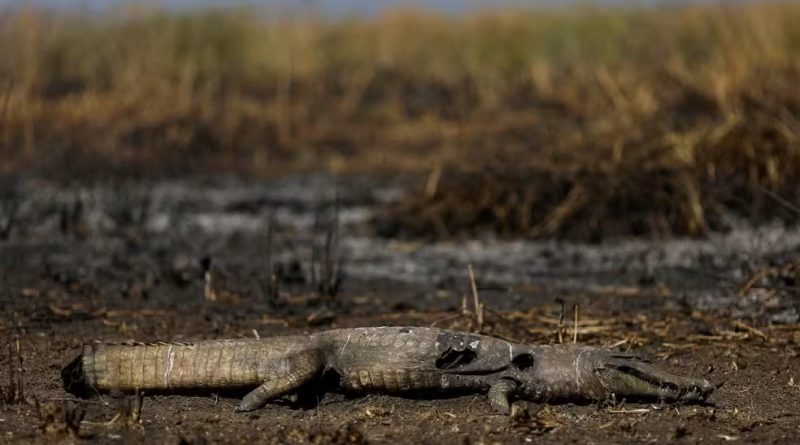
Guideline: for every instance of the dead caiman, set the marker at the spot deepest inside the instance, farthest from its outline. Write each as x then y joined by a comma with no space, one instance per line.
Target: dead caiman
397,360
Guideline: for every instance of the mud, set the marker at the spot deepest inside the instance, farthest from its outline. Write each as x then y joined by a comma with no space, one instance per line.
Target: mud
125,261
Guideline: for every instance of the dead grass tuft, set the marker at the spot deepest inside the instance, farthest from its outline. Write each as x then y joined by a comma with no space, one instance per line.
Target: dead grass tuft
571,123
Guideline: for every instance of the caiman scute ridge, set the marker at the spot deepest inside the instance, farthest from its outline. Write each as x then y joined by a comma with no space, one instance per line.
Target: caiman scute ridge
398,360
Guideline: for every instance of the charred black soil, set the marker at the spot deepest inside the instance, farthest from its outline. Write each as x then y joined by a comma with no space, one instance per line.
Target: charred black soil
218,257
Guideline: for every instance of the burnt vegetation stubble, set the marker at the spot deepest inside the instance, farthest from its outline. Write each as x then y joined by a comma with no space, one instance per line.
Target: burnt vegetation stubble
673,122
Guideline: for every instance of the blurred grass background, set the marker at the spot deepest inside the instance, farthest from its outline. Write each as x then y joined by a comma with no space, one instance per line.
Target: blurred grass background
579,121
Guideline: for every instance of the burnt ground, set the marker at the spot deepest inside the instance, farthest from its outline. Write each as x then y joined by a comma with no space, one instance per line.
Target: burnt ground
125,261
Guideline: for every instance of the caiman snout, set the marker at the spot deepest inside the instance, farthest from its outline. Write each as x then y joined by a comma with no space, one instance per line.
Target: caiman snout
625,375
584,372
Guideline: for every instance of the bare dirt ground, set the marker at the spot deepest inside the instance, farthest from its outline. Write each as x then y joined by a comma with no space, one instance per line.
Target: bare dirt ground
124,262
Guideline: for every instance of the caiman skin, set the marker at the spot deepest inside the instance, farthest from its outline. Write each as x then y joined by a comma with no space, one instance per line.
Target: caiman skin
380,359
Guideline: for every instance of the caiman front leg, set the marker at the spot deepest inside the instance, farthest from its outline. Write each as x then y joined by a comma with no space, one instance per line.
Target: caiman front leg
283,377
499,394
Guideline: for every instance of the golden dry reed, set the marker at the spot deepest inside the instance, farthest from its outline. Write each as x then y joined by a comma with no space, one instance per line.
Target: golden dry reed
692,110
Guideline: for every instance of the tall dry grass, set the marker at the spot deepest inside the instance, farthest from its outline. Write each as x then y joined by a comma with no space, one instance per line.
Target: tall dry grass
689,109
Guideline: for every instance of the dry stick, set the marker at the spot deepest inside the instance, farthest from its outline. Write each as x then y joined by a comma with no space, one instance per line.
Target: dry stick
208,277
744,326
475,300
285,96
575,329
325,261
15,383
432,185
6,100
136,409
782,201
332,260
754,279
736,284
20,384
441,320
273,290
74,400
113,420
18,378
561,323
752,283
10,207
10,388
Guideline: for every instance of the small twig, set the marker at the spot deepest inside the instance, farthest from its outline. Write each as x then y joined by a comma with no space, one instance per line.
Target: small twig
10,207
769,272
561,322
136,407
272,291
742,325
208,278
6,101
444,319
755,278
629,411
576,308
617,344
14,392
782,201
632,342
20,370
74,400
475,299
326,261
432,185
106,423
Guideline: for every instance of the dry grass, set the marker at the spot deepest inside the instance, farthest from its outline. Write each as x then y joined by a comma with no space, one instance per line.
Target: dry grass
541,123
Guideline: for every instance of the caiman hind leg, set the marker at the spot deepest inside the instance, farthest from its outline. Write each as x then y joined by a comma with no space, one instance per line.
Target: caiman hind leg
283,377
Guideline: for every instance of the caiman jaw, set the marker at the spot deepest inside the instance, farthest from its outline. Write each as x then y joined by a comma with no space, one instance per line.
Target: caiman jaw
628,376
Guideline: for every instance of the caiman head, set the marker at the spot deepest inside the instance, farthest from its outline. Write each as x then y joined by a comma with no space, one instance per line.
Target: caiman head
630,376
561,372
572,372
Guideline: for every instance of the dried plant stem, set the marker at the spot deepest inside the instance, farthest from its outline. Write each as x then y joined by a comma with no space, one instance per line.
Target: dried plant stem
208,289
476,299
560,328
136,407
576,309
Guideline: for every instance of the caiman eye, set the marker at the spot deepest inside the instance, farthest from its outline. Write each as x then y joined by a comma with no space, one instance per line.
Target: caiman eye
523,361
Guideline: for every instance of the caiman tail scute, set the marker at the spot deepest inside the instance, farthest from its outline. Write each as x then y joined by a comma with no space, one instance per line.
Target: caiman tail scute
74,378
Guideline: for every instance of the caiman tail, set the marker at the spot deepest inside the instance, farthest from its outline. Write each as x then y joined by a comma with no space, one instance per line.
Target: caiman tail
74,379
165,366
